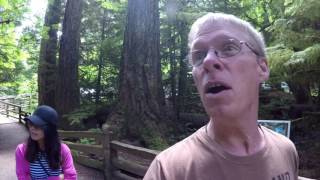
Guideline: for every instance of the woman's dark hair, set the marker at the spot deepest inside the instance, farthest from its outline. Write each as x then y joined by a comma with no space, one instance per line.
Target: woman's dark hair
52,147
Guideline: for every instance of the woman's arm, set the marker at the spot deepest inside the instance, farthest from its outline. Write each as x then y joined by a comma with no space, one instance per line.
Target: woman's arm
67,166
22,166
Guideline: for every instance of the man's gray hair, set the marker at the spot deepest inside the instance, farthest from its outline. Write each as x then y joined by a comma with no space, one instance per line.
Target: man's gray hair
256,39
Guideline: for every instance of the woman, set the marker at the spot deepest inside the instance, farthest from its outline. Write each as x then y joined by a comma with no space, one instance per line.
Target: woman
43,156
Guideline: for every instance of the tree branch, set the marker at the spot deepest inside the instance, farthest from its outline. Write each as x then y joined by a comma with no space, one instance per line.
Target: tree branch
5,21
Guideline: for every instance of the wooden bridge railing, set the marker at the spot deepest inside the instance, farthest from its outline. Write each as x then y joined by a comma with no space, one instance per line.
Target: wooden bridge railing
12,110
116,159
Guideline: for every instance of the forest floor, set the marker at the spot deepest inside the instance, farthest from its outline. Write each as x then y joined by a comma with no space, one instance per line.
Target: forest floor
13,133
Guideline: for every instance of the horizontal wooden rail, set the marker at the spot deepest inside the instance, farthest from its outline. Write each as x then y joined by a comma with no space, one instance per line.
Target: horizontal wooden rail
8,109
87,161
134,150
9,115
86,148
119,175
129,166
123,167
81,134
10,104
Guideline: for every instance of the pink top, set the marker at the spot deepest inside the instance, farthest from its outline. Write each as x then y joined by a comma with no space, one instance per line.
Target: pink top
23,170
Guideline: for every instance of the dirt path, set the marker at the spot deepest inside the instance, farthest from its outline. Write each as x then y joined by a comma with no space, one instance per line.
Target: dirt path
12,134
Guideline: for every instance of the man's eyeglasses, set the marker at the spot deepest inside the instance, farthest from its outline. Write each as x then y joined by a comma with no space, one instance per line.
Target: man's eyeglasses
229,48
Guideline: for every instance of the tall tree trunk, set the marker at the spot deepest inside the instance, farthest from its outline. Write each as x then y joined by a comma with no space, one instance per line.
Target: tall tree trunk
48,55
173,65
141,93
301,92
68,94
182,84
100,66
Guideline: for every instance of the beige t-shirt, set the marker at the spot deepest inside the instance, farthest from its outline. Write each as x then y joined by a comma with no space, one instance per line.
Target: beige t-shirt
200,158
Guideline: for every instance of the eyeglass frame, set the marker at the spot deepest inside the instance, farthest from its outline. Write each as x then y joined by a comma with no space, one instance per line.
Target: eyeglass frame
216,52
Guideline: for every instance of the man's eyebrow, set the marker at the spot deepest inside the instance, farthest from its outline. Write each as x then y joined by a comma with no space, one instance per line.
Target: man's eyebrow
198,43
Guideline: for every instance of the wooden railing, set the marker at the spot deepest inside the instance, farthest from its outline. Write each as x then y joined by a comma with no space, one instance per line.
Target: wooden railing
23,100
85,153
116,159
12,110
130,162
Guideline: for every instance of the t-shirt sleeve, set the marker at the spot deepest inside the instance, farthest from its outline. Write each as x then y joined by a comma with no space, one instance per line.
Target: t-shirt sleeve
67,165
155,171
22,170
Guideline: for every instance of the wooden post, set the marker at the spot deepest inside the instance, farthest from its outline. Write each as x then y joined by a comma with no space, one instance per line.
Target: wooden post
19,108
106,147
7,110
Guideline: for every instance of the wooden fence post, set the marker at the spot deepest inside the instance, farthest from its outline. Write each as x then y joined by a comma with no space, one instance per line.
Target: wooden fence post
106,147
7,110
19,108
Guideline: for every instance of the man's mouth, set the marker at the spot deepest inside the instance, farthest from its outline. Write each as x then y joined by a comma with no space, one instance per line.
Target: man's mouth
215,88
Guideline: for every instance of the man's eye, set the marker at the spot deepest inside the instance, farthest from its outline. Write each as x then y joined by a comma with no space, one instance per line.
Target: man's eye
198,57
229,50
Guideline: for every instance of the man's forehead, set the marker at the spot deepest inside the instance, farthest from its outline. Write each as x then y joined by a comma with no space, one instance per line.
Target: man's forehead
221,30
218,39
224,27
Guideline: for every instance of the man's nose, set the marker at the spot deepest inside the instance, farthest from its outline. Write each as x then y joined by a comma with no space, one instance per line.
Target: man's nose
212,61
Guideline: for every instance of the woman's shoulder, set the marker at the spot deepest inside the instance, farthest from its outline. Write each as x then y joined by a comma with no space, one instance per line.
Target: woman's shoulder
64,147
21,147
20,151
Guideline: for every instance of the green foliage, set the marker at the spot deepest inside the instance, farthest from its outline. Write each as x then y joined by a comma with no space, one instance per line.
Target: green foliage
306,9
310,56
298,64
76,116
278,55
153,139
108,46
18,52
275,105
44,32
90,141
109,5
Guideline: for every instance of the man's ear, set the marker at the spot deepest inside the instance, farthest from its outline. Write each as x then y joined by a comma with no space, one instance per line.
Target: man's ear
263,69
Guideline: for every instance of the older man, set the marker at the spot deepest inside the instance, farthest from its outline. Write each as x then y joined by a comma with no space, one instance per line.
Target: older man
229,63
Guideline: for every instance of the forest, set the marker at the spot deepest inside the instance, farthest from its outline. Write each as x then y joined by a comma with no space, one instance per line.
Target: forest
125,63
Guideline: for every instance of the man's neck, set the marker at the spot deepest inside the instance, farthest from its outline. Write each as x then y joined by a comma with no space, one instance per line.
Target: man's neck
241,138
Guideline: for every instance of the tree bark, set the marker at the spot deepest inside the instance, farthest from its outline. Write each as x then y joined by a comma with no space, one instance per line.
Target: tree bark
301,92
141,93
68,94
182,84
48,56
173,65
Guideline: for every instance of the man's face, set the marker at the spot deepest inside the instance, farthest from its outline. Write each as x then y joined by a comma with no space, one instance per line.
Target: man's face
228,85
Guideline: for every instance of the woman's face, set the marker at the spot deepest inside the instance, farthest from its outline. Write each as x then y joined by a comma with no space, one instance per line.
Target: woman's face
36,133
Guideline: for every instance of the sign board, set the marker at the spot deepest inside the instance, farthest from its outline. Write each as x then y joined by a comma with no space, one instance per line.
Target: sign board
279,126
